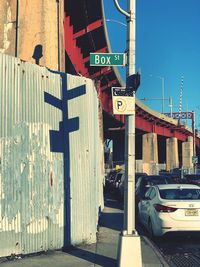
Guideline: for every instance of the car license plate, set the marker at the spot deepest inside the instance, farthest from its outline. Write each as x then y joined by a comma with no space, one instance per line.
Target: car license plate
191,212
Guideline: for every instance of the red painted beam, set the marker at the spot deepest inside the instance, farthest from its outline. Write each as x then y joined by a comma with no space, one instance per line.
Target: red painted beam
102,50
142,124
72,50
109,84
91,27
150,127
103,71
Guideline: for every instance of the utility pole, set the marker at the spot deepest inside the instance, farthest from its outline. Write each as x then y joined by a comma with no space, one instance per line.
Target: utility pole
194,141
181,96
129,249
170,106
163,86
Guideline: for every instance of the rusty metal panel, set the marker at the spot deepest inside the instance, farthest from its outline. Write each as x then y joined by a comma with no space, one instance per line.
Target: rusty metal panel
40,112
86,157
31,176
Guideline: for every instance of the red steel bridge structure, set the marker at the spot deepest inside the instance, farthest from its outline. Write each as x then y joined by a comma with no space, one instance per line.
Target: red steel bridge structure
85,32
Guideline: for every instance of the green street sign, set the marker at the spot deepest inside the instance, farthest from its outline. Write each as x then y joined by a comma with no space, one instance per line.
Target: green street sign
107,59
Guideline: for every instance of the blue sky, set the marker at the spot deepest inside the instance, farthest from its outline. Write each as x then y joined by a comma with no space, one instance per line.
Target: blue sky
167,45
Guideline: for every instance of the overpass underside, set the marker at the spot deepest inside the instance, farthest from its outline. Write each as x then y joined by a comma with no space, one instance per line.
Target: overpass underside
158,140
67,47
154,152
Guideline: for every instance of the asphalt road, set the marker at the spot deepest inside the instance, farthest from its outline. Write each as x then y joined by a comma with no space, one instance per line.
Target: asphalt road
182,250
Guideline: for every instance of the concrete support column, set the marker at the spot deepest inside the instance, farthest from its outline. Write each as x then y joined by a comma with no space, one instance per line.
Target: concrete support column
187,153
150,148
150,153
172,160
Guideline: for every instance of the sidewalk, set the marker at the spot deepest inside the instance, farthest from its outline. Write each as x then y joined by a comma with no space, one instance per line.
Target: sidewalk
103,253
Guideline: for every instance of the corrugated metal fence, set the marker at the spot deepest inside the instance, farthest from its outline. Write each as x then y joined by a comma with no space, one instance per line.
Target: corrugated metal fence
51,159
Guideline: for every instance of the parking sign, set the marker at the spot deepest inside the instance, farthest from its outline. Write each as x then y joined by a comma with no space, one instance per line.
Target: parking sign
123,101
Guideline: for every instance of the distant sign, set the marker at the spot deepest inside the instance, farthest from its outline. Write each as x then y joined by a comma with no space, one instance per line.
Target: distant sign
123,101
194,159
107,59
180,115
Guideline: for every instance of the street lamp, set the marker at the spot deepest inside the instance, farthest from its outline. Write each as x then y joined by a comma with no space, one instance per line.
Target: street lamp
163,88
116,21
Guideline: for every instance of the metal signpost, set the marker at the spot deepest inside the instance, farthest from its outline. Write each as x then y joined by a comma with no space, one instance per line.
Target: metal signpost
129,250
107,59
129,247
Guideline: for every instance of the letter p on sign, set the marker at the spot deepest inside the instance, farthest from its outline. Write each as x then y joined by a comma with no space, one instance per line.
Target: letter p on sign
119,104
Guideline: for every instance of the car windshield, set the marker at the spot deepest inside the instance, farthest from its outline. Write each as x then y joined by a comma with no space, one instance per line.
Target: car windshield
178,193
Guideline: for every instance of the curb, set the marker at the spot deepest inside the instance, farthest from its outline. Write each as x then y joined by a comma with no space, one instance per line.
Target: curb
156,251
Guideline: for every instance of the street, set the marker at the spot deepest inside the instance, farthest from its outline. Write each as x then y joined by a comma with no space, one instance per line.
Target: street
181,250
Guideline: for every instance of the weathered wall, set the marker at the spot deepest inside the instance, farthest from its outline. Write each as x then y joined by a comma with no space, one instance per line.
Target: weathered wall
51,158
31,191
34,31
86,161
7,26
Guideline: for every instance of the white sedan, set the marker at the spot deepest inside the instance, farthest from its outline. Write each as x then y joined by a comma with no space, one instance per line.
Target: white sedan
170,208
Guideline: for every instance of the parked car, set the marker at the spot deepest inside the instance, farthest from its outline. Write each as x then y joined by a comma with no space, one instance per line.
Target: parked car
110,180
121,188
113,180
121,185
192,179
144,182
138,175
170,208
177,173
114,187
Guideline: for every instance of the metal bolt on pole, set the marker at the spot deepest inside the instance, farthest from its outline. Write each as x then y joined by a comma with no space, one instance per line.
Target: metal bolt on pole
129,249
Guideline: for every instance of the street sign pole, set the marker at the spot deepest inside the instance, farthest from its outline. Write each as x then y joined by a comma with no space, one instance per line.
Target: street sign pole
129,250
